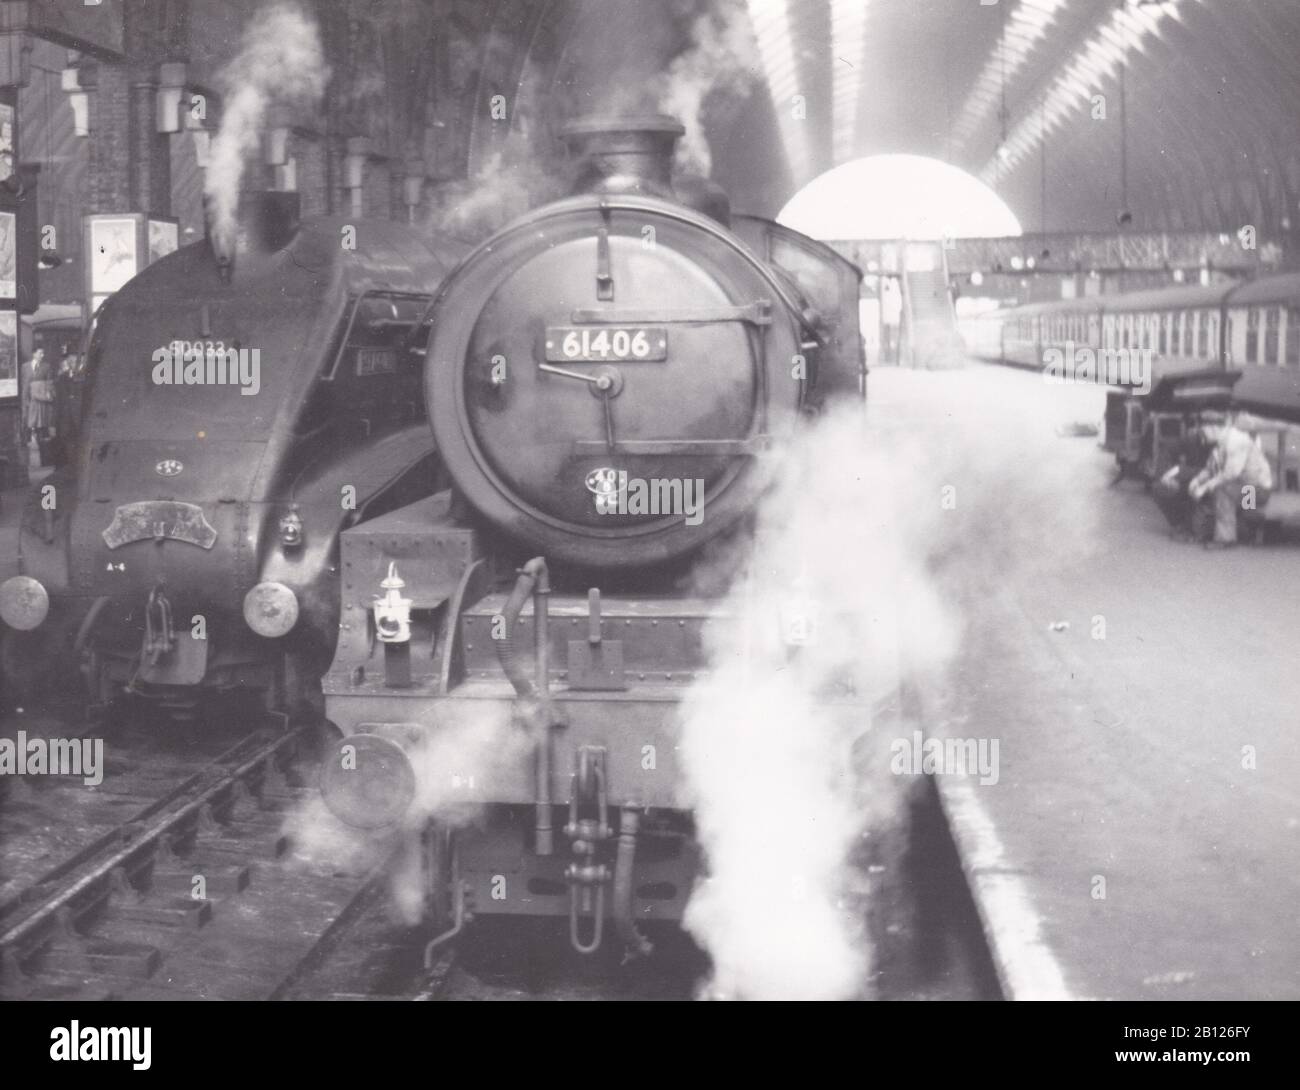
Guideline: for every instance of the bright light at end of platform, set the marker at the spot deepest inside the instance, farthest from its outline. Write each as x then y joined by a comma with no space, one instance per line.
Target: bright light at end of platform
895,197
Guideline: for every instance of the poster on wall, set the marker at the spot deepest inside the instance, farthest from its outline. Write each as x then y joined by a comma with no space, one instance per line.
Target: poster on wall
162,239
6,141
8,256
113,259
8,353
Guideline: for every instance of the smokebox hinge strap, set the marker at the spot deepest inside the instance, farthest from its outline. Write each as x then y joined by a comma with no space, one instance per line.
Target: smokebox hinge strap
604,273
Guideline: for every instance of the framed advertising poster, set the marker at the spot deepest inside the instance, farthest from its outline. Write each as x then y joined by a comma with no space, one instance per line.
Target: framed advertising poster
114,254
8,255
8,353
6,141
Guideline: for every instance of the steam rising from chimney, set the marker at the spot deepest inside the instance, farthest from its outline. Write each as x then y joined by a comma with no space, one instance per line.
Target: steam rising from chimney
721,60
691,59
281,62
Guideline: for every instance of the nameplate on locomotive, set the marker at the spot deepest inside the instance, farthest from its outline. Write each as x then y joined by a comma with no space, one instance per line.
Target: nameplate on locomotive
605,344
160,520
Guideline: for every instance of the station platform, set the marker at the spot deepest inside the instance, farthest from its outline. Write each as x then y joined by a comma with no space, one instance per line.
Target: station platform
1142,840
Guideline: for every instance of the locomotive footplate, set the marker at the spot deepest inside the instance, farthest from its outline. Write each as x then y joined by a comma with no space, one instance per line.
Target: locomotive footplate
603,642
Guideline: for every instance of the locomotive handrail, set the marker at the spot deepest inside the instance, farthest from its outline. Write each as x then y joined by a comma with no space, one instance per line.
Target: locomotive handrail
758,312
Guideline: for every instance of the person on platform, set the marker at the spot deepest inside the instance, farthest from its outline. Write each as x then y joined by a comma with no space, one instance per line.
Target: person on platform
38,412
66,403
1237,477
1188,520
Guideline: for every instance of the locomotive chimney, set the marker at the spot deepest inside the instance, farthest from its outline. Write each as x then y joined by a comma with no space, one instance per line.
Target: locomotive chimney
632,154
268,221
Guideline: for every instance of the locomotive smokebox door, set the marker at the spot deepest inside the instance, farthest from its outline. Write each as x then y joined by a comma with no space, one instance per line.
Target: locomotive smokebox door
596,663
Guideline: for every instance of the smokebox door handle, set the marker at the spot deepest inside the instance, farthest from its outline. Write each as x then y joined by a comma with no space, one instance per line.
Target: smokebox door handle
604,274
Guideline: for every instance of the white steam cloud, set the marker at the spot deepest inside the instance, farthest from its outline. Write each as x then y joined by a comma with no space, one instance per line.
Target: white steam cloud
867,547
280,62
510,184
451,762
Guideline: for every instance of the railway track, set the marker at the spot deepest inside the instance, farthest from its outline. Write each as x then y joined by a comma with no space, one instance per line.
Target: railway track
191,886
196,893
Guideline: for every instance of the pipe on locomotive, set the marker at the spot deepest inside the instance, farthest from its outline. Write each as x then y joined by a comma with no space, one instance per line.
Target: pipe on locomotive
635,943
534,582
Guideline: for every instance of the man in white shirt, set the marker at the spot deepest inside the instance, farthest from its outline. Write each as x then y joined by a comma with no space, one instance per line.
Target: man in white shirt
1237,475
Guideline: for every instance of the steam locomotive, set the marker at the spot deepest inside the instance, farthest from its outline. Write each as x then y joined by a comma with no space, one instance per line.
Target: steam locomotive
605,378
246,401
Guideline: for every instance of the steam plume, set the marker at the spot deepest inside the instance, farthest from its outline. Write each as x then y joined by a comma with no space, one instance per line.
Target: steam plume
720,62
692,59
855,537
450,761
280,61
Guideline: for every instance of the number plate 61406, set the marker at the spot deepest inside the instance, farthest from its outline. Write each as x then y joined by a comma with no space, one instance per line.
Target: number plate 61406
605,344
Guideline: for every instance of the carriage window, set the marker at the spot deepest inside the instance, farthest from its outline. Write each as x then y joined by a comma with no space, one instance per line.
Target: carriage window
1272,320
1252,335
1189,320
1146,331
1202,335
1293,336
1163,346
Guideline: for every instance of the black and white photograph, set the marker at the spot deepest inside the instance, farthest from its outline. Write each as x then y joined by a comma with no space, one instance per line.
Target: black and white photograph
651,500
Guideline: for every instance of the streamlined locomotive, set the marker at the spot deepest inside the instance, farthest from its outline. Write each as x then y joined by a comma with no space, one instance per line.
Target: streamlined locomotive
245,402
624,339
